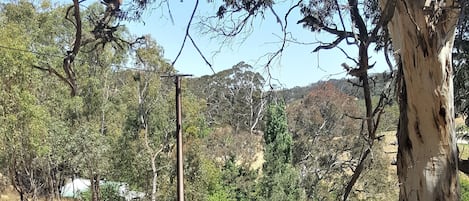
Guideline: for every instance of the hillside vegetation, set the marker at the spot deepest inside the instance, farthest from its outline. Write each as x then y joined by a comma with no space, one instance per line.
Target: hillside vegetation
241,142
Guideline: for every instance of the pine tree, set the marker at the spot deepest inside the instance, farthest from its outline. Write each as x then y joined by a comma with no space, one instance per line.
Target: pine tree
280,179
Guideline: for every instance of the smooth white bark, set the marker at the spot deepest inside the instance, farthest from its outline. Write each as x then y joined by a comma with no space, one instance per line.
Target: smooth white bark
423,33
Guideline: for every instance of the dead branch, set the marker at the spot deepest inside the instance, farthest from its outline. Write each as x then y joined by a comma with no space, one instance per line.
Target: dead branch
276,16
356,174
201,54
53,71
187,35
284,30
314,22
346,55
70,76
187,32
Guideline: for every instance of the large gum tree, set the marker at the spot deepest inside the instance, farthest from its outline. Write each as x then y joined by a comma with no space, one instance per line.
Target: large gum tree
422,35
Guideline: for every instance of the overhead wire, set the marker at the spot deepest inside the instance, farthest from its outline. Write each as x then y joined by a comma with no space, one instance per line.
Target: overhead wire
30,51
58,56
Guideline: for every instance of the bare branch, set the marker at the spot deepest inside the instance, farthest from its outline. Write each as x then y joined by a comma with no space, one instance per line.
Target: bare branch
67,14
330,45
354,117
341,34
388,61
187,35
276,17
348,57
77,43
284,41
358,21
313,21
201,54
169,12
356,174
284,30
354,83
53,71
187,32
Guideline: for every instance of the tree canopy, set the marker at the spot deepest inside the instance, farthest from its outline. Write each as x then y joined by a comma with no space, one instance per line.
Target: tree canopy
71,106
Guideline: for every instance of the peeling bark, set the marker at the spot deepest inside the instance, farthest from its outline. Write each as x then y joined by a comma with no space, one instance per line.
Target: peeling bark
423,33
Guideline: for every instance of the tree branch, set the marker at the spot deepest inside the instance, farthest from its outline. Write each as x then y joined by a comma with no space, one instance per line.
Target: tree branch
356,174
51,70
187,35
201,54
314,22
284,30
386,15
187,32
358,21
346,55
70,57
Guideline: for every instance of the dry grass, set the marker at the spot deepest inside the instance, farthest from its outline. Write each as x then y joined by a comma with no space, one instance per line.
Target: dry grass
11,195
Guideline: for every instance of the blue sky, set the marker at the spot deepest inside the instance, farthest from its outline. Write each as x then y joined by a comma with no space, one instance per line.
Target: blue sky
298,65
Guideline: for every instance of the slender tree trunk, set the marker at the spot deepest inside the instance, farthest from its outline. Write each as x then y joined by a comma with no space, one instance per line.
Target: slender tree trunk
423,33
94,187
155,178
141,89
33,184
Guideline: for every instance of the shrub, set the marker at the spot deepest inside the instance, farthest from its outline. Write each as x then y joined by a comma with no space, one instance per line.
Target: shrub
108,192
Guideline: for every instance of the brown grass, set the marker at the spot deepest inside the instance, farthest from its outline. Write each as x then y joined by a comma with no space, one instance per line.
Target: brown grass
11,195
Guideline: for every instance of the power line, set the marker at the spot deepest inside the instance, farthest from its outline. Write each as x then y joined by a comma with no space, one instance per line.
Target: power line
117,67
58,56
30,51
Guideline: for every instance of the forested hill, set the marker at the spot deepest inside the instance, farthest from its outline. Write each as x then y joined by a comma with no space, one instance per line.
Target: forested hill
326,143
346,86
84,99
107,124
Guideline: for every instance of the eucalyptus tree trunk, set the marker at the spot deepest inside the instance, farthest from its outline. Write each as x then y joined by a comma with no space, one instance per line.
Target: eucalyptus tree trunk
422,33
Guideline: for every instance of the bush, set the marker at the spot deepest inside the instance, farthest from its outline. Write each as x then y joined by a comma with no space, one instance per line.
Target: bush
464,183
3,182
108,192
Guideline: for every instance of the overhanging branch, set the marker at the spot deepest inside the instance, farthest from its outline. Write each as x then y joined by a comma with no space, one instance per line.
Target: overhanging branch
318,24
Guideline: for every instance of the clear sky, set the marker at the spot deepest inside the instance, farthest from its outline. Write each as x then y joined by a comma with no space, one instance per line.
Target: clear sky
298,65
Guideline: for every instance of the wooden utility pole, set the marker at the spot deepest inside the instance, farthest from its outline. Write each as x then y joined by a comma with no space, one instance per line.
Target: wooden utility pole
180,158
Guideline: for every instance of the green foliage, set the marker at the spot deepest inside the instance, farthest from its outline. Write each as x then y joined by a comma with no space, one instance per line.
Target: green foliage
278,141
280,180
204,178
54,136
240,181
464,185
461,64
122,121
107,192
233,97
